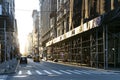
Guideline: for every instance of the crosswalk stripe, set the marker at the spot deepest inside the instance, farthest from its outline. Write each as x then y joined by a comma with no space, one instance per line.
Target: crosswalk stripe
65,72
56,72
28,72
38,72
73,72
20,72
47,72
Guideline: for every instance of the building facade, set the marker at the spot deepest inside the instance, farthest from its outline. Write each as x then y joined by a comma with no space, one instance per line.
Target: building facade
9,46
44,25
35,32
30,44
87,33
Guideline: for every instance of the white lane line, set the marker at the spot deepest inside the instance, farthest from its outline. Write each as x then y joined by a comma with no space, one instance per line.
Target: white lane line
47,72
82,71
20,72
75,72
56,72
29,73
38,72
65,72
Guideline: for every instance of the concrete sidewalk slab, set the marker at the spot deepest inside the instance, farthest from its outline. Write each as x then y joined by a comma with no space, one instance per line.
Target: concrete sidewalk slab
9,67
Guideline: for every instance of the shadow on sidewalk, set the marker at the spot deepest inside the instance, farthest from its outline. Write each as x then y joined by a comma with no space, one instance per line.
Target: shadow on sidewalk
9,67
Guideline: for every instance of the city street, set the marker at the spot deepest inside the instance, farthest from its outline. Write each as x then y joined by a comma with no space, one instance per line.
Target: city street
76,39
53,71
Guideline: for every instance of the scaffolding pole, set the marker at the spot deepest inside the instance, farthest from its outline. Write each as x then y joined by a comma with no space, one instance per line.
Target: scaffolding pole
105,46
97,46
91,57
5,39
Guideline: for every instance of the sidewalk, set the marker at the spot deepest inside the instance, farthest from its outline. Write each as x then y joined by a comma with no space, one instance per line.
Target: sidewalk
9,66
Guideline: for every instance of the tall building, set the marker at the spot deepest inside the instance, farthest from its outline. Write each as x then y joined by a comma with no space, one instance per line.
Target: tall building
53,25
44,24
87,32
35,32
9,46
30,44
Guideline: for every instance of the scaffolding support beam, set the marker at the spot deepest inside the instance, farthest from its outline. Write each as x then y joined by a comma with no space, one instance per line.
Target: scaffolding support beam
5,40
105,46
97,46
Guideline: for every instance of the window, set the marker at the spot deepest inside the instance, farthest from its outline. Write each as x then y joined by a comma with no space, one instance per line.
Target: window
0,1
67,25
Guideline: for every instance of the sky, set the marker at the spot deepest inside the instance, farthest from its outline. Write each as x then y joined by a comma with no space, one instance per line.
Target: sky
23,14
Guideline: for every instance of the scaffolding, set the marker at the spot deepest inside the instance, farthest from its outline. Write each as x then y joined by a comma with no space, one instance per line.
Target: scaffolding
94,48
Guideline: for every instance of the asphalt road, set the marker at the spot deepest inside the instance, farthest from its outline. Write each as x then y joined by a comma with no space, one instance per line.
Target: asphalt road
53,71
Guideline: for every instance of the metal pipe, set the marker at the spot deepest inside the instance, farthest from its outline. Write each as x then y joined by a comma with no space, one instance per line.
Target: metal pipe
97,46
5,39
105,46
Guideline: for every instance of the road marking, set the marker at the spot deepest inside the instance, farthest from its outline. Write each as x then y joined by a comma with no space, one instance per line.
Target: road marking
38,72
29,73
20,76
73,72
56,72
20,72
65,72
47,72
62,72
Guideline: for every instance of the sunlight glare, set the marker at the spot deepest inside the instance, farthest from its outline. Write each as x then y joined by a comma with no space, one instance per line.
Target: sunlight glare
23,14
22,40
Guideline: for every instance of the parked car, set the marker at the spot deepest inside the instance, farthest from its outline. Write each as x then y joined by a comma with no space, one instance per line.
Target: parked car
23,60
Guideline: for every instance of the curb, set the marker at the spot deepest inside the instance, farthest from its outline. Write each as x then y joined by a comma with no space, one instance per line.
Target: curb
17,66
